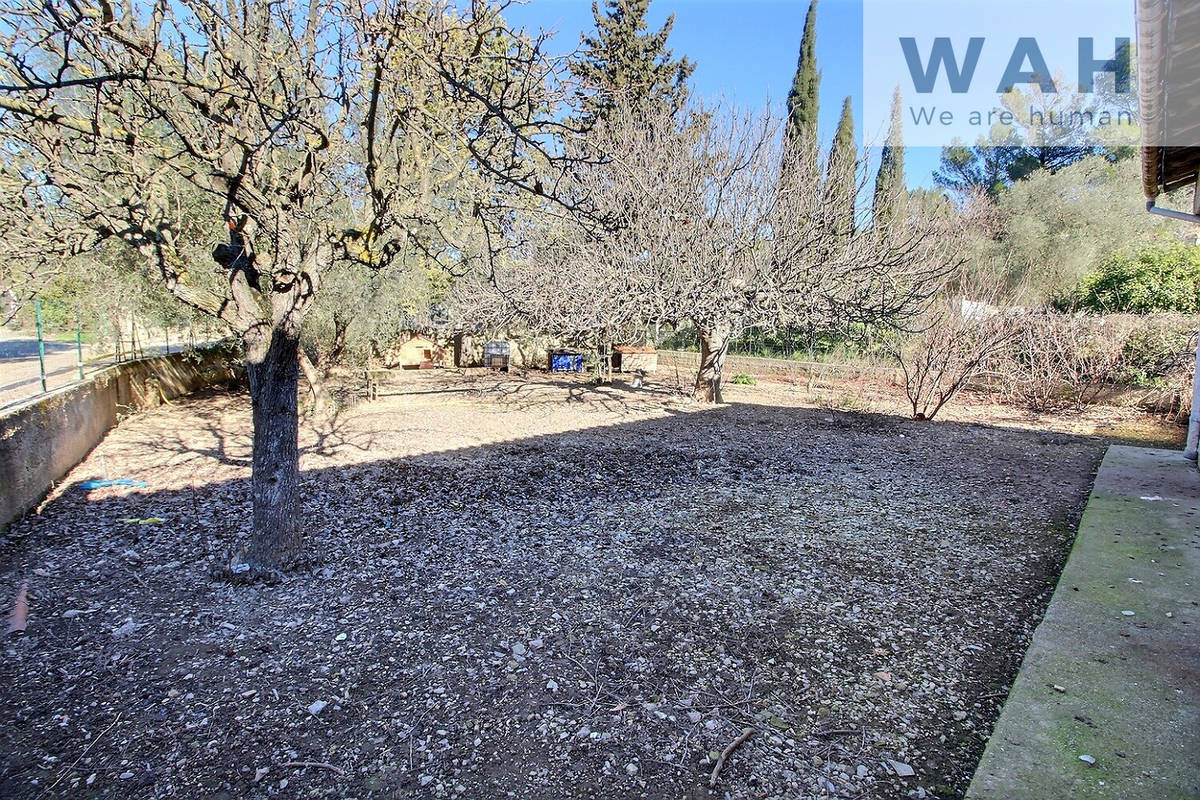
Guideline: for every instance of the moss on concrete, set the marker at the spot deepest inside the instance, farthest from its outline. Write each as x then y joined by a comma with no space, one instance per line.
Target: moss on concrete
1120,688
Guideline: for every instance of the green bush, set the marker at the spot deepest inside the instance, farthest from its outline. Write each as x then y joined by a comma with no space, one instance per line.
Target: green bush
1155,278
743,380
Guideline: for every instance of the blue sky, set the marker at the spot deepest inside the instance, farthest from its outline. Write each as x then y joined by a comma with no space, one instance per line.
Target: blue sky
746,50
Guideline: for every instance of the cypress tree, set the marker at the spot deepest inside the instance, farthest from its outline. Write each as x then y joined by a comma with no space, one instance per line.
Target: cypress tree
625,58
803,100
889,183
840,175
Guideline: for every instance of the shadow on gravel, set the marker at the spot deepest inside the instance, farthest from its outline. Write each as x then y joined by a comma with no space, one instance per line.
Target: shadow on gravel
584,614
331,437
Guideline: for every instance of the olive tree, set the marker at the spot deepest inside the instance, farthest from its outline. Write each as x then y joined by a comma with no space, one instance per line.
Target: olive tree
325,133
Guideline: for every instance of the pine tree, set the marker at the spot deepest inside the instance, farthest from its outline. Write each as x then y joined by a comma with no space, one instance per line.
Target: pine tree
803,101
625,60
889,183
840,175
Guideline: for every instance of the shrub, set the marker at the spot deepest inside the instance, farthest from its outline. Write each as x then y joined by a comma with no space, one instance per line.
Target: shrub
1155,278
743,380
1158,350
952,350
1061,360
957,340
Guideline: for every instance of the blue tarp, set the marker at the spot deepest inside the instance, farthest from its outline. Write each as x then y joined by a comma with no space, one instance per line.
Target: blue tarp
566,362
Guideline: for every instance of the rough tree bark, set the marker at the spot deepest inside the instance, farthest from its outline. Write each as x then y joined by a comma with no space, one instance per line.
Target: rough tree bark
714,345
272,348
272,362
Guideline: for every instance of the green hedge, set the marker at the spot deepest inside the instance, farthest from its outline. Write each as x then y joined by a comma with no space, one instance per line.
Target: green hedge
1156,278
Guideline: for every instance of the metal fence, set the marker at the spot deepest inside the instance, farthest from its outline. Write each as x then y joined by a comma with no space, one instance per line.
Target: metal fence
33,362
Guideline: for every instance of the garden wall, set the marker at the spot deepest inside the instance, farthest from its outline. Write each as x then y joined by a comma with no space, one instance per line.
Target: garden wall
42,440
817,372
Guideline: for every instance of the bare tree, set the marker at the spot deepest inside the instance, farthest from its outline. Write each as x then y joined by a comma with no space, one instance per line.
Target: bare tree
710,236
34,244
325,132
579,278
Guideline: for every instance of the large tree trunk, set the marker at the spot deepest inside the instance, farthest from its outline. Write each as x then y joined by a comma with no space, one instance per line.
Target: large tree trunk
273,365
714,344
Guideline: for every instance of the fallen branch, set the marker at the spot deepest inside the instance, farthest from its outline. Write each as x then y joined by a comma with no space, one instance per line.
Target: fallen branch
734,745
313,764
79,757
136,577
839,732
19,617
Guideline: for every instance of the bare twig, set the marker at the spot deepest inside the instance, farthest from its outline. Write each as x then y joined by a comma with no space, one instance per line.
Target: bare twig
734,745
135,576
78,758
314,765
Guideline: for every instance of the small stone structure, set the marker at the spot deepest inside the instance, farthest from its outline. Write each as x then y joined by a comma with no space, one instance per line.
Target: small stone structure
417,352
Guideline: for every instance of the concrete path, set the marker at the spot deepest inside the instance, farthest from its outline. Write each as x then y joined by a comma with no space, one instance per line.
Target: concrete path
1113,672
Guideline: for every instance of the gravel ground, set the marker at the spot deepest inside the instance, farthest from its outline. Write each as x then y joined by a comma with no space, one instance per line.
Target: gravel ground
538,590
